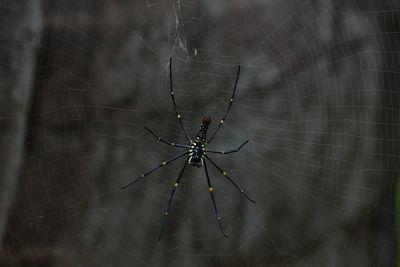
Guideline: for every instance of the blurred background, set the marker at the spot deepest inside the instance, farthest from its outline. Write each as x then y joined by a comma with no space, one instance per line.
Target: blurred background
318,97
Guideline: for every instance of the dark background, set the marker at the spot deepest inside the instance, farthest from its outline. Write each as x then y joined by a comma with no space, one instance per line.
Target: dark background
318,97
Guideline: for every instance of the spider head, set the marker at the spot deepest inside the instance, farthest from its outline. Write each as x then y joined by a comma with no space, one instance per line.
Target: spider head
195,160
196,153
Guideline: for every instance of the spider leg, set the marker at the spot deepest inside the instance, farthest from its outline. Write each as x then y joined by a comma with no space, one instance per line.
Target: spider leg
164,163
164,141
225,174
230,151
178,116
229,108
213,200
166,212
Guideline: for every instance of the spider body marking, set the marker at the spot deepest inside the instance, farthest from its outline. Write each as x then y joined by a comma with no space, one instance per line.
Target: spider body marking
196,155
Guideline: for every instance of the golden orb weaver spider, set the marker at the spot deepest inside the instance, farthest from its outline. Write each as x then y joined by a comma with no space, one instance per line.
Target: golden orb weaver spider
196,154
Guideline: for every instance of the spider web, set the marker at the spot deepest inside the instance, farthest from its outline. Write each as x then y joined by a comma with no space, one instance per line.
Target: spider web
317,97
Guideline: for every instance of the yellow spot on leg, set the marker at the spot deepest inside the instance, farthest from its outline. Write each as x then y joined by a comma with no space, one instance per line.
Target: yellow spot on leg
176,184
210,189
172,93
221,121
225,173
166,213
222,152
178,116
172,144
231,100
218,218
164,163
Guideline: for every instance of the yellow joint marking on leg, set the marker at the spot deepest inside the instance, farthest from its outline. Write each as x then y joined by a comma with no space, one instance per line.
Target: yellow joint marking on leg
172,144
164,163
176,184
242,190
221,121
218,218
142,176
159,138
222,152
178,116
225,173
231,100
166,213
210,189
172,93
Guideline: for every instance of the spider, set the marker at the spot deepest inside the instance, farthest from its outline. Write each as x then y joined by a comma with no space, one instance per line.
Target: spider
196,154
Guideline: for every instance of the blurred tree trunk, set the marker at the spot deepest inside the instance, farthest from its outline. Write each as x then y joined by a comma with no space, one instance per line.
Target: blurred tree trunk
21,31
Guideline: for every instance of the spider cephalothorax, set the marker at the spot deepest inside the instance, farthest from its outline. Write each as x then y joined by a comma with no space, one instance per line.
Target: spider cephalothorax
196,153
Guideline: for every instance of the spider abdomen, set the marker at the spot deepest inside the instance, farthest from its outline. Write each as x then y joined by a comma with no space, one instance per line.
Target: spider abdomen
201,136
